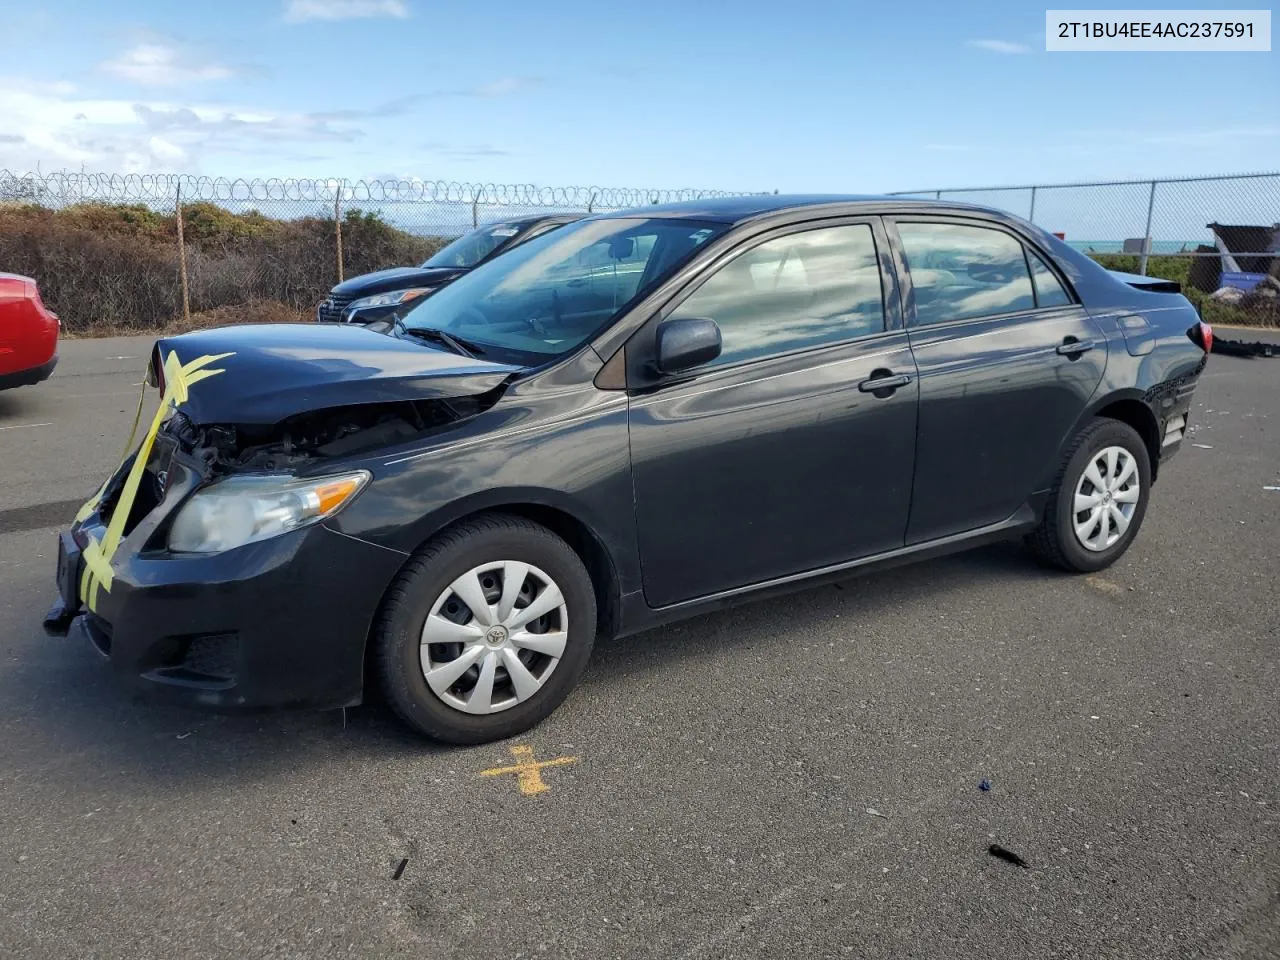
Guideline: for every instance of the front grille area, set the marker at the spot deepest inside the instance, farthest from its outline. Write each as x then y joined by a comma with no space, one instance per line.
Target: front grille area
332,308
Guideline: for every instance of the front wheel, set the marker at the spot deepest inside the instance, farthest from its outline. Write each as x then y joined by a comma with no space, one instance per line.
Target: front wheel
486,630
1098,499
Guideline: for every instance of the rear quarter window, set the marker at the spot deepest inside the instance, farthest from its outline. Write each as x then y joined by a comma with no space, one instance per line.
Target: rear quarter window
1049,290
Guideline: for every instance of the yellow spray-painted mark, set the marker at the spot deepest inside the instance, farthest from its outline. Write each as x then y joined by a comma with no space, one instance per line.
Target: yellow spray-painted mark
1105,586
178,380
528,771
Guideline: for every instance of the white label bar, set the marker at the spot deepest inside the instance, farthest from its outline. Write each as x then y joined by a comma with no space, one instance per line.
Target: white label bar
1158,30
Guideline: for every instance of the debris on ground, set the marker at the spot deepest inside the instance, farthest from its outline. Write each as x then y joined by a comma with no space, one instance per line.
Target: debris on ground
400,869
872,811
1241,348
985,785
1008,856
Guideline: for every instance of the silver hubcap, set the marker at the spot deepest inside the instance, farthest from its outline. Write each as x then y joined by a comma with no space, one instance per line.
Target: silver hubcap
1106,497
494,636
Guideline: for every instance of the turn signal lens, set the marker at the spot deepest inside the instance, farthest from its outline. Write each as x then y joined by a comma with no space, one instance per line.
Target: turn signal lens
334,494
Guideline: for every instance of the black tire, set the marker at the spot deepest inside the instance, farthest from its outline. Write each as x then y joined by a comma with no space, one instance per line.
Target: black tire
1054,542
446,557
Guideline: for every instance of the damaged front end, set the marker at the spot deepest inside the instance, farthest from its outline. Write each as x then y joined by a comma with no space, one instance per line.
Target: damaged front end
253,439
303,439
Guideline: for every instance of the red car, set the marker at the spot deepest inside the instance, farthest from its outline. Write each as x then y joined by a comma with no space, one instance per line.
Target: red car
28,333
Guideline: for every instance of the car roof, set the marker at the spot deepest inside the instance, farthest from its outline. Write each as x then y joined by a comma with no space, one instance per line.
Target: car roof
536,218
737,209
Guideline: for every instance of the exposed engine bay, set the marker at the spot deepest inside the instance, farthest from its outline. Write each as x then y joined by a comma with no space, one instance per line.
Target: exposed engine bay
333,432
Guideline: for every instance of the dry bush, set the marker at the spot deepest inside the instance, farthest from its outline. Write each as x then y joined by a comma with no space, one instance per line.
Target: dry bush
105,267
255,311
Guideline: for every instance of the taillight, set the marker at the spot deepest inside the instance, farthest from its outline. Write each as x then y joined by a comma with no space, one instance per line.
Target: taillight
1202,336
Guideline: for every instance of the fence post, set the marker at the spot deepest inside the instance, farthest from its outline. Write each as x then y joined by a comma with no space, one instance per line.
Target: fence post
337,225
475,210
182,255
937,194
1146,235
1032,215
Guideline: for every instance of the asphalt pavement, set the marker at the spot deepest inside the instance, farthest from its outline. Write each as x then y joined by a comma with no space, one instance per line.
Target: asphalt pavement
798,777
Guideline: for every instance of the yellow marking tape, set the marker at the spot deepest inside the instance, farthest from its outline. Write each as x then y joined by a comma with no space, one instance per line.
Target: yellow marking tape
528,771
178,380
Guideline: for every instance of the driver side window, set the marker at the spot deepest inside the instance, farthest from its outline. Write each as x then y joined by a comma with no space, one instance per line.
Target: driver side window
800,290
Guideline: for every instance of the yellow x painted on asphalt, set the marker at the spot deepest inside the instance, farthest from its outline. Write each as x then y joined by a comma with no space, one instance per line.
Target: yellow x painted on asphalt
528,771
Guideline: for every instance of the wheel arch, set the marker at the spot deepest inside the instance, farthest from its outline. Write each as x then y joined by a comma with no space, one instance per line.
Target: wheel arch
561,515
1130,407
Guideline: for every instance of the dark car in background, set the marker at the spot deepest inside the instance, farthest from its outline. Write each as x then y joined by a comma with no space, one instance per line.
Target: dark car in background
636,418
28,333
378,295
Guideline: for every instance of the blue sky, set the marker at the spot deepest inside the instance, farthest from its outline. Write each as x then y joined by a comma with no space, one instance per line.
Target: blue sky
792,96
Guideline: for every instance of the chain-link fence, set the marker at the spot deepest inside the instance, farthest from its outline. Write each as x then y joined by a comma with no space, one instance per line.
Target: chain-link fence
1218,236
141,251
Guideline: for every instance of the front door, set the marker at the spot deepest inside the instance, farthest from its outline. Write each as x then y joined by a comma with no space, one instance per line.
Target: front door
1007,362
794,449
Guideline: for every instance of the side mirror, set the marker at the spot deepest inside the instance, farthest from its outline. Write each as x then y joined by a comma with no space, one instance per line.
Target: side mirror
687,343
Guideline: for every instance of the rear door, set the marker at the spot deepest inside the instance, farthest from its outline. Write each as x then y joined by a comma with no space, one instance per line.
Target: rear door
1007,360
781,456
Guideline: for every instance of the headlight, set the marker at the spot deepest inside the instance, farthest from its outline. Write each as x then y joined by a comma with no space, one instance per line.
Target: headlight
392,299
240,510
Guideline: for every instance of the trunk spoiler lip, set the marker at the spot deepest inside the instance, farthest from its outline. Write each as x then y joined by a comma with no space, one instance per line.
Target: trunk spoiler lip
1148,284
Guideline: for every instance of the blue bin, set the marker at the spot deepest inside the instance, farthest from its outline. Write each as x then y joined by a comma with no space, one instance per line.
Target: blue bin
1241,280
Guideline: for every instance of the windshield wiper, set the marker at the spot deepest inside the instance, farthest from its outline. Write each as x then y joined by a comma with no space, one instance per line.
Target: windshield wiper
459,345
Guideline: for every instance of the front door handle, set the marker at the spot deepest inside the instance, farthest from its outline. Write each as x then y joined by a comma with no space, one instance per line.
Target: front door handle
882,383
1071,347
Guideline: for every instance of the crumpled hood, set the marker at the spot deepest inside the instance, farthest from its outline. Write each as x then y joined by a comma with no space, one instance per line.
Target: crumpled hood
396,278
277,370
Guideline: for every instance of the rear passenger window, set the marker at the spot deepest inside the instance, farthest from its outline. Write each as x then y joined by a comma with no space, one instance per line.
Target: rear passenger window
959,271
1049,292
801,290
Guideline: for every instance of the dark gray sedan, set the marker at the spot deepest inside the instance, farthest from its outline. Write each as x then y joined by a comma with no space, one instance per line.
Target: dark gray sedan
628,420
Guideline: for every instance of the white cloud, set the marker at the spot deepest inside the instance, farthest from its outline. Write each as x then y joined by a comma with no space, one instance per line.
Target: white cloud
155,64
999,46
300,11
47,127
503,86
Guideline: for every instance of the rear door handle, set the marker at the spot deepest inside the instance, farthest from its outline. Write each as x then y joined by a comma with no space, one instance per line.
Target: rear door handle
1071,347
884,385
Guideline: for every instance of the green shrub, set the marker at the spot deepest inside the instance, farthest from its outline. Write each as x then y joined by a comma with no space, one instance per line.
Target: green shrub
1253,311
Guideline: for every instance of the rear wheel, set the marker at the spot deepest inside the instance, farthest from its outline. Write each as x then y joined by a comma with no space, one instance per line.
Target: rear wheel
486,630
1098,499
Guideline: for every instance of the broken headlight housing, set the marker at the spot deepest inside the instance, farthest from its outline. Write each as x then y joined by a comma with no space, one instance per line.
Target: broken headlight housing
245,509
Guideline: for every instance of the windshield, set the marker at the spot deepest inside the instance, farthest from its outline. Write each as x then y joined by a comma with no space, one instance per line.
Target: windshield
470,248
548,295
